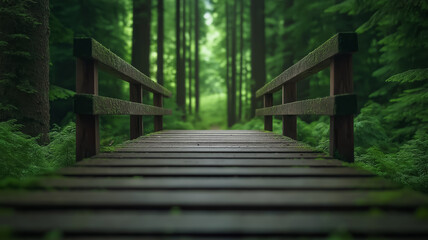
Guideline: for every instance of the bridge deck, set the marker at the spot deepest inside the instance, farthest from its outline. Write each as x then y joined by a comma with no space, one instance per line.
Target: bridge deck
217,184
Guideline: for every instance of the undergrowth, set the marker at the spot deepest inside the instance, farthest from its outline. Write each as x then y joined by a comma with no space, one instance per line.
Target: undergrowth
22,157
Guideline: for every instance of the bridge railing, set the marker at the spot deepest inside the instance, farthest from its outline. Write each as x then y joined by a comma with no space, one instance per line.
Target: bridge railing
341,105
92,56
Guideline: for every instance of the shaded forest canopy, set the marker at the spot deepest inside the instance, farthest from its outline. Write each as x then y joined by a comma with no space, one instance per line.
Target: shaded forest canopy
215,54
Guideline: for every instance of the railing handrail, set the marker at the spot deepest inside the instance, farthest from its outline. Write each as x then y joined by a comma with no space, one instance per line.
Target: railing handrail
90,49
91,55
340,105
315,61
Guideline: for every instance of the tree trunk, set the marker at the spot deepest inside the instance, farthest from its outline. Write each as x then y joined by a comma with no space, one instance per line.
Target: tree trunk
190,57
258,51
178,75
197,56
182,86
141,43
160,43
141,36
228,92
241,60
233,87
25,96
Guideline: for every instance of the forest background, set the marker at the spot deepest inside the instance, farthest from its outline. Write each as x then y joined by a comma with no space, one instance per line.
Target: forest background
213,55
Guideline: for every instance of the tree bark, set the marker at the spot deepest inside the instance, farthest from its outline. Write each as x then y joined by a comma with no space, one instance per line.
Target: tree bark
233,83
258,51
178,54
228,92
27,90
197,56
141,36
241,60
190,57
160,43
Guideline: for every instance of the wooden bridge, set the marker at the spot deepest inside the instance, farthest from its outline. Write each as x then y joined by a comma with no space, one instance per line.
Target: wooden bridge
218,184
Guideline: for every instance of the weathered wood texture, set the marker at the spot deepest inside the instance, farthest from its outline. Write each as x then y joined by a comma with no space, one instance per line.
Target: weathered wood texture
341,105
136,128
97,105
88,48
289,122
236,192
87,126
345,104
315,61
268,102
342,127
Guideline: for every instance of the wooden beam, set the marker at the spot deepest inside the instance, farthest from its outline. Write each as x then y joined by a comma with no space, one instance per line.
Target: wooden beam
268,102
315,61
344,104
136,128
90,49
158,120
96,105
289,122
342,127
87,127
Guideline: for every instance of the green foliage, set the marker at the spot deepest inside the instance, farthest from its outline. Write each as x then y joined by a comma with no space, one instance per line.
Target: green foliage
22,156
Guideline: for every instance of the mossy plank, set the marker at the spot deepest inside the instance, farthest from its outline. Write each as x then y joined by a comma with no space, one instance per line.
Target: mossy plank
88,48
336,105
87,104
313,62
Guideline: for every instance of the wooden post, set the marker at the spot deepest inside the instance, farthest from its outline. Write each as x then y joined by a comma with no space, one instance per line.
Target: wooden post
136,121
289,123
268,102
158,102
341,127
87,126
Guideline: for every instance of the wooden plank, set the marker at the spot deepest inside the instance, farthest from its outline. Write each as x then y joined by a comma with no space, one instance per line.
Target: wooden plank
213,155
313,62
289,122
219,199
218,183
88,48
142,149
342,127
87,127
214,171
209,162
245,224
344,104
97,105
211,144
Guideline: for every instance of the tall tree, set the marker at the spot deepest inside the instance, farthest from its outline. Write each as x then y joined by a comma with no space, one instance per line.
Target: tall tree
181,96
197,56
258,51
228,91
141,35
190,56
160,42
233,63
24,65
241,55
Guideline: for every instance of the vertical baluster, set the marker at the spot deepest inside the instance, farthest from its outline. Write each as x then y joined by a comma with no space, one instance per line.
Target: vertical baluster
289,123
136,121
341,127
87,126
268,102
158,102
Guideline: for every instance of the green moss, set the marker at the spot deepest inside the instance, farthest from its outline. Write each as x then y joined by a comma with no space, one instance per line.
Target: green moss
175,210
